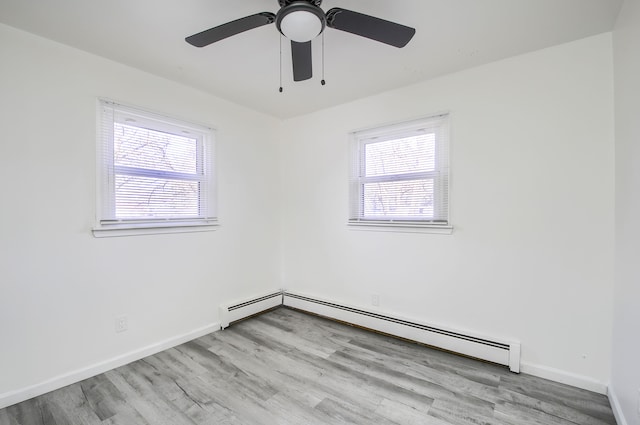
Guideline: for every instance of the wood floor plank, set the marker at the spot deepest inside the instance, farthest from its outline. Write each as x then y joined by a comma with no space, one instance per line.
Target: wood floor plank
289,368
407,381
406,415
297,410
316,371
456,414
314,337
343,412
103,397
398,371
26,413
330,375
147,398
559,410
276,370
481,372
592,404
79,409
517,414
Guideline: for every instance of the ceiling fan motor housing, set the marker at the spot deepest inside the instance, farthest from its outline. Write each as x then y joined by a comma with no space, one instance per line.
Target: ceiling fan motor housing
300,20
286,2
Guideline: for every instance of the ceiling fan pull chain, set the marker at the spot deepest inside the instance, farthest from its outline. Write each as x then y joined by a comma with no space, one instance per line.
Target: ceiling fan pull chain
280,90
322,81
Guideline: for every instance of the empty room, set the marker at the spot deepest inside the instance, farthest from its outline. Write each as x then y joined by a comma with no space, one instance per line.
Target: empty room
320,212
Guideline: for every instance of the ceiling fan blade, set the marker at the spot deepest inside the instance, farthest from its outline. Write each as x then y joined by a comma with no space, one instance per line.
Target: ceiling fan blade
301,58
370,27
223,31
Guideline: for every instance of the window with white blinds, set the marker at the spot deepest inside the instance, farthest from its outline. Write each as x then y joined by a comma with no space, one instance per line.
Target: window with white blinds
153,171
400,174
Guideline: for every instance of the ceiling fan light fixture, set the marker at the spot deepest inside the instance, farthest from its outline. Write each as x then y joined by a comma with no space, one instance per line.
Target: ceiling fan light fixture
300,21
303,20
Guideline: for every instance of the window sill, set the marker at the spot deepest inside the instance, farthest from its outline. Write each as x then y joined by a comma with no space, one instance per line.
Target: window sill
400,227
135,229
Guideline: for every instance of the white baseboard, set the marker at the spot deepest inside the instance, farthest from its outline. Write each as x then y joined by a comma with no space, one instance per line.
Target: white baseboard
615,406
17,396
564,377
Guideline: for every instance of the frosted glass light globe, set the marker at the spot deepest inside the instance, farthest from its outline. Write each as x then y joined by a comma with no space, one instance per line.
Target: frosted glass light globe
301,26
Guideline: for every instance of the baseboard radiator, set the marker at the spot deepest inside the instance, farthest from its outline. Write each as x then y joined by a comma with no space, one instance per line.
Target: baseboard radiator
239,310
502,352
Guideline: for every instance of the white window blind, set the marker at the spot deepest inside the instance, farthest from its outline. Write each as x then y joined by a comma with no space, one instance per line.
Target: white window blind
154,171
400,174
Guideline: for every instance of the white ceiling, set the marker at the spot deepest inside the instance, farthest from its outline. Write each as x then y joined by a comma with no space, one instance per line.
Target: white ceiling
451,35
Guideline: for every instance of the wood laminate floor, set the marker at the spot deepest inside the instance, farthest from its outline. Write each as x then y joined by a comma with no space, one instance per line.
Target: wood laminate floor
287,367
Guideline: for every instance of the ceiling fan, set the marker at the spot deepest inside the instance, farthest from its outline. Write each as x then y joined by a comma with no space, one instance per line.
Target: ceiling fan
303,20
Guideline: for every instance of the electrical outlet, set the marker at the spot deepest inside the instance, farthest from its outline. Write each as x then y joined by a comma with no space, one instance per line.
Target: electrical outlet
121,323
375,300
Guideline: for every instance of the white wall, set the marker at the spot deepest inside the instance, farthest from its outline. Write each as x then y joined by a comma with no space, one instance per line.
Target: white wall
61,288
531,257
625,382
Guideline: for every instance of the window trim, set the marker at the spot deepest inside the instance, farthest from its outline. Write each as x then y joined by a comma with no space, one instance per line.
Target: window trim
397,130
104,230
106,225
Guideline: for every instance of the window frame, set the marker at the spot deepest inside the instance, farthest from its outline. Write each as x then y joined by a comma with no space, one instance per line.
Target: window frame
107,224
441,175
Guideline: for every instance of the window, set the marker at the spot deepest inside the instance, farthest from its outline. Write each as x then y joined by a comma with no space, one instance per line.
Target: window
400,174
155,173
